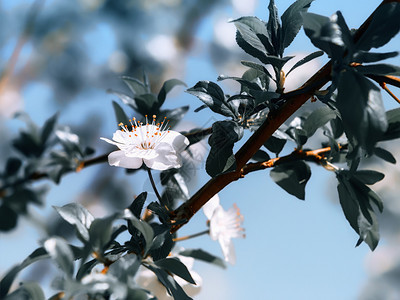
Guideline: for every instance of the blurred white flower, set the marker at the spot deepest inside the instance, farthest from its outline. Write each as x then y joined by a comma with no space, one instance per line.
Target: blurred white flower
152,144
148,280
224,225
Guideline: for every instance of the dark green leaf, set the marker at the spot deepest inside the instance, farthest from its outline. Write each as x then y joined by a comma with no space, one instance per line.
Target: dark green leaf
48,128
120,115
317,119
337,127
124,98
137,87
8,218
174,115
257,67
274,29
100,233
292,21
147,104
305,60
77,215
204,256
292,177
170,284
162,244
213,96
143,227
360,105
12,166
370,57
252,36
356,199
244,83
327,34
221,158
384,154
393,130
61,253
369,176
8,279
166,88
137,204
276,62
275,144
382,28
379,69
261,156
175,266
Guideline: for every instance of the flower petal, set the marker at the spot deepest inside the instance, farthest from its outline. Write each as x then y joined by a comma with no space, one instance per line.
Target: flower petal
119,159
163,162
228,249
177,140
210,206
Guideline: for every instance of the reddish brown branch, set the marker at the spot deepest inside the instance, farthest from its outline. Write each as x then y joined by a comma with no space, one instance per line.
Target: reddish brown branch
312,155
274,120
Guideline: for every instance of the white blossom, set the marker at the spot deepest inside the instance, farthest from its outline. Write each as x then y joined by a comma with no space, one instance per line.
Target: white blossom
154,144
224,225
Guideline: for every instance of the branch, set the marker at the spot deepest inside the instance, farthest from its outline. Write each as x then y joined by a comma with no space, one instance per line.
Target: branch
317,156
193,137
274,120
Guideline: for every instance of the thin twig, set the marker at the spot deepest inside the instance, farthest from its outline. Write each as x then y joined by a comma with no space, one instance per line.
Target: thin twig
187,237
153,184
384,86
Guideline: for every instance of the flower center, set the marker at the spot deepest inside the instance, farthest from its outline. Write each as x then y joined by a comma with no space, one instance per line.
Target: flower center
146,136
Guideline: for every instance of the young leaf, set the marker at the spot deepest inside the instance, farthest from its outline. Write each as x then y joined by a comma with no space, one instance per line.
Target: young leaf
252,36
305,60
60,252
120,115
137,204
143,227
166,88
292,21
370,57
292,177
136,87
274,29
213,96
77,215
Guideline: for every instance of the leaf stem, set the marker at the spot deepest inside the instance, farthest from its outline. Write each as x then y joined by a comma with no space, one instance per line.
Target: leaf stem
187,237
